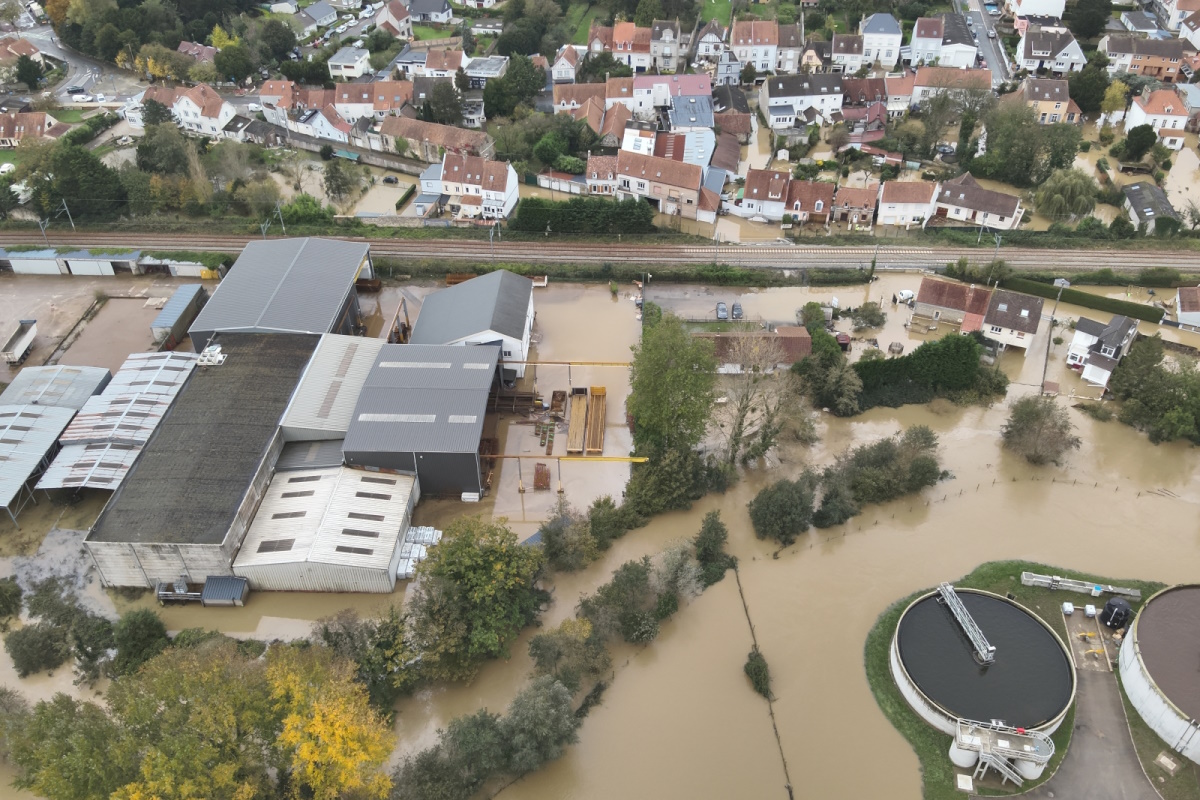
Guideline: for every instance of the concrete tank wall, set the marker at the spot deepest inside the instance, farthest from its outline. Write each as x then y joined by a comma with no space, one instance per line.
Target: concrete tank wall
1163,717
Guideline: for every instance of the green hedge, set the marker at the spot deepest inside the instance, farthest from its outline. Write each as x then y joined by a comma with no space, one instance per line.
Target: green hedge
89,129
1076,297
583,215
409,192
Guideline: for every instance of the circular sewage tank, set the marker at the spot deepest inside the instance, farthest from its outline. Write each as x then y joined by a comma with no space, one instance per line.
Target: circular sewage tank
1160,667
1030,685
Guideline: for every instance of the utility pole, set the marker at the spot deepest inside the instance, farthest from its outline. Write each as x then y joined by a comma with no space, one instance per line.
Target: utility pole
64,210
996,252
42,223
1061,283
279,213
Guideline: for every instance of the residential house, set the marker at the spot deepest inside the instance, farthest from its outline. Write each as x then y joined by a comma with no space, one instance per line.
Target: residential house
732,112
1187,305
765,194
953,303
1097,347
1146,203
478,187
435,11
395,19
639,137
201,110
1012,319
390,96
12,48
945,40
664,45
424,139
201,52
1036,8
601,175
900,93
1163,110
284,7
349,63
847,52
600,38
671,187
479,4
731,99
787,98
790,50
322,123
907,203
933,80
865,108
354,101
810,201
1189,94
1141,23
962,199
816,56
320,15
1050,100
651,92
694,112
135,107
729,69
739,351
711,41
570,96
1173,12
473,115
856,205
631,46
1154,58
482,69
882,39
566,62
440,63
1053,51
16,127
756,42
618,91
1189,30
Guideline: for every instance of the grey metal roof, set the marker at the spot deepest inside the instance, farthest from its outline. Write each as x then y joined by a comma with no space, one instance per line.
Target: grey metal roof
310,455
348,56
324,400
27,432
284,286
60,386
192,474
881,24
99,465
1148,201
224,588
691,111
496,302
429,399
175,307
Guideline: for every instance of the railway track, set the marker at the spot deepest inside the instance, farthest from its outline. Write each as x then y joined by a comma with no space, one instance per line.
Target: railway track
771,256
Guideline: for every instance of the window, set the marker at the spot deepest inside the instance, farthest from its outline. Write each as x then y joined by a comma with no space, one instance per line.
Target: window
996,329
276,545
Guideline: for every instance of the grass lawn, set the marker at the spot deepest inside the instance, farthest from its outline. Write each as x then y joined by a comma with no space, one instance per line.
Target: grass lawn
1186,783
71,116
585,22
426,32
10,157
716,9
998,577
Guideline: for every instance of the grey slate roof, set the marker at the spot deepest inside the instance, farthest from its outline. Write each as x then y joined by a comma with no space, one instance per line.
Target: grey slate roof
955,30
428,6
804,85
730,98
1018,312
1148,202
694,111
881,24
496,302
284,286
424,399
191,477
1111,334
58,386
348,56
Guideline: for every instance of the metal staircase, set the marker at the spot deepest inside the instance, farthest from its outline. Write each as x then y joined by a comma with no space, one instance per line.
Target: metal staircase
999,764
984,652
999,745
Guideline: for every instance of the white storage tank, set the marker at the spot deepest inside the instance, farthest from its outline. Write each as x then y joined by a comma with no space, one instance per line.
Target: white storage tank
1158,662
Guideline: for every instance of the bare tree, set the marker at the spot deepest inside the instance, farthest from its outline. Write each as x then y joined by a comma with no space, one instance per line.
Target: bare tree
759,395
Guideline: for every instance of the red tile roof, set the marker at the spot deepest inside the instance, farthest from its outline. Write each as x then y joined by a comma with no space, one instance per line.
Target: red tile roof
951,294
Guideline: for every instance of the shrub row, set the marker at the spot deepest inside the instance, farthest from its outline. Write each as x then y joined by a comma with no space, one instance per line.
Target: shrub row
583,215
89,129
1076,297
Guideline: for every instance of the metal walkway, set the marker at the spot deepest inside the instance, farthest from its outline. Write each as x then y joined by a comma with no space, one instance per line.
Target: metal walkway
986,653
998,745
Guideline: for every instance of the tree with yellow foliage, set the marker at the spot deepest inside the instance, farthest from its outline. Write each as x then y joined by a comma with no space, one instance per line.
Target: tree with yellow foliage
220,39
331,741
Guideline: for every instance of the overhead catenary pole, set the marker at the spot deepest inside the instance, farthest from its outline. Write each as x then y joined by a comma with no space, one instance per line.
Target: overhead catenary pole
67,211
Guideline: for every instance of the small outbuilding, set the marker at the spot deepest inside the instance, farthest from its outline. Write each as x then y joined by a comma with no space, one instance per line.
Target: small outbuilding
170,327
287,286
496,308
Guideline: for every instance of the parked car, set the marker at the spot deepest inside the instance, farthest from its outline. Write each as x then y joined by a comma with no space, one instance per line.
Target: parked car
81,98
7,168
100,98
993,10
737,310
722,311
75,90
391,179
254,107
991,34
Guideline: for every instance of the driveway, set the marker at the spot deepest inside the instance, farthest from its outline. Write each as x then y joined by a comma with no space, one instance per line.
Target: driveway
990,49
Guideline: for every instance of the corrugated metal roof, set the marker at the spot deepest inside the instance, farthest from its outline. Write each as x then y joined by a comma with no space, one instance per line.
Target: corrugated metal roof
124,418
100,465
340,516
223,589
153,373
180,301
498,301
60,386
310,455
324,400
423,399
27,433
284,285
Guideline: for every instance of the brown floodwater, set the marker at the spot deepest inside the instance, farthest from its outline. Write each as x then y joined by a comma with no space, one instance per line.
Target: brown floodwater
121,327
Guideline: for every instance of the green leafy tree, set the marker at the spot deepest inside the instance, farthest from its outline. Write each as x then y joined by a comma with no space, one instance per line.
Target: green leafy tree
38,647
475,594
569,653
549,148
77,175
155,113
1087,18
341,179
749,74
275,39
608,522
139,636
1121,228
1116,96
1067,194
567,539
758,672
671,378
1039,430
539,725
10,590
710,548
163,150
388,666
445,105
1089,86
647,12
598,67
1139,141
28,72
625,605
234,61
783,510
868,315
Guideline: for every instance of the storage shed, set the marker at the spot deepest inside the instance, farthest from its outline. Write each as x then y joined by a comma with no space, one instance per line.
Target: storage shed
496,308
185,506
170,327
328,530
325,399
287,286
28,437
58,386
421,412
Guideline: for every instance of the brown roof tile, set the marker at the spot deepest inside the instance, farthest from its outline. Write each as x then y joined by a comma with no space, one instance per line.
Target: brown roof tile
857,197
1189,299
908,192
808,193
754,32
441,135
965,191
576,93
765,184
951,294
660,170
